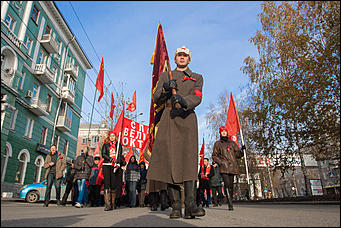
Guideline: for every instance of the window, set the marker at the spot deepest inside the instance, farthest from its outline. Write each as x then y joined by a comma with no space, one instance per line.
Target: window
10,22
59,45
68,116
27,43
35,14
42,58
43,135
29,127
49,102
84,140
94,141
35,90
14,119
47,29
21,169
39,164
66,147
21,79
72,84
56,141
4,160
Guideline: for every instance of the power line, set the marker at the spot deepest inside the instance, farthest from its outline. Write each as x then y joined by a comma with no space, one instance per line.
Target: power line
53,60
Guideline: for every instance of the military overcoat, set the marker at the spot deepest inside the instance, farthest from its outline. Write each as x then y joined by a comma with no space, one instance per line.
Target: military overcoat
174,157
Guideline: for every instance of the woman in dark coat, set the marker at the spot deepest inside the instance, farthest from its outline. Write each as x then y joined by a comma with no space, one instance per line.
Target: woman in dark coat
225,154
112,171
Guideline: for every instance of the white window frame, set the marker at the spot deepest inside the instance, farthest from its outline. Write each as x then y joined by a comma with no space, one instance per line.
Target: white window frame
29,128
45,134
56,142
21,85
27,43
49,105
39,167
10,22
6,156
14,119
27,160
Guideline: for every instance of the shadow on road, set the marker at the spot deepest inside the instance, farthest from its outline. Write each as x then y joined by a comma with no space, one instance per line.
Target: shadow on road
152,221
44,222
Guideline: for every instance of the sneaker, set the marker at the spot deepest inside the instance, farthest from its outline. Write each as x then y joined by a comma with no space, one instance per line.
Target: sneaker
78,205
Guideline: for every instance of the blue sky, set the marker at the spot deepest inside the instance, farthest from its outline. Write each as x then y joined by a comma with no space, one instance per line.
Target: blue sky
124,33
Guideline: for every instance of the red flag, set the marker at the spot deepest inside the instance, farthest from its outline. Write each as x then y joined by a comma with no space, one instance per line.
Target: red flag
97,151
128,155
100,176
119,124
112,107
142,151
132,105
159,61
202,156
232,121
100,80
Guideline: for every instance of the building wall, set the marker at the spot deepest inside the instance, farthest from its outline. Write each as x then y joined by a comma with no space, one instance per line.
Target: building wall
24,60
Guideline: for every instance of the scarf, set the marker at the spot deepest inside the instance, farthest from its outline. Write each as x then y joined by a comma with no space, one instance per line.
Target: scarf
208,169
112,151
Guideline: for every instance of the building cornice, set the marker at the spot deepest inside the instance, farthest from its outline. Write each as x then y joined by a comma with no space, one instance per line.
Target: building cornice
65,32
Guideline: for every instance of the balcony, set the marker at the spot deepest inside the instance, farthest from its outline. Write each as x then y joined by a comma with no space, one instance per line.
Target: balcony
49,43
71,69
62,124
38,107
44,74
68,95
11,35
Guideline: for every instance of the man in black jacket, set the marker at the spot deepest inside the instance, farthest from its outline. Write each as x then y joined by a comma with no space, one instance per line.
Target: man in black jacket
69,180
83,166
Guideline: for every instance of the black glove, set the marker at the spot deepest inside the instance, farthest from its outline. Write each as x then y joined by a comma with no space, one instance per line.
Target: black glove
176,98
243,147
171,84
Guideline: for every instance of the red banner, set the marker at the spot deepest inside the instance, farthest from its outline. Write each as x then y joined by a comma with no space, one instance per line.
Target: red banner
134,134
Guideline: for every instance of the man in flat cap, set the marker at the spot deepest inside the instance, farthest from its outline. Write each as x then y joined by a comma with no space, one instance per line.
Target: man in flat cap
175,152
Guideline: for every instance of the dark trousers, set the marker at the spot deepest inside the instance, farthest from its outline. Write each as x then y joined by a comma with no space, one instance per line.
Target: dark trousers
204,201
94,195
51,179
69,186
109,178
217,199
228,182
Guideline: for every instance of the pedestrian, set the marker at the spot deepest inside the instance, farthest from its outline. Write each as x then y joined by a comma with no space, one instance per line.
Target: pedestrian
225,154
141,187
55,164
204,183
83,165
132,177
112,171
70,182
215,184
174,159
157,195
94,186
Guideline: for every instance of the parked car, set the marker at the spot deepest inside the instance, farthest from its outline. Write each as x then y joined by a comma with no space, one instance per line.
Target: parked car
33,193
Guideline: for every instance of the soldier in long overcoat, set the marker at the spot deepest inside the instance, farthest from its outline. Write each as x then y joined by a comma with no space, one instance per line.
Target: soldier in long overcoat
175,151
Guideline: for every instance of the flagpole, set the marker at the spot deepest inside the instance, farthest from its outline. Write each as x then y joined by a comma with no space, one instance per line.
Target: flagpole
92,111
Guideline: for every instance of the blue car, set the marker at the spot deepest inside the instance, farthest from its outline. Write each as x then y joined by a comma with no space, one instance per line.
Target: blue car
32,193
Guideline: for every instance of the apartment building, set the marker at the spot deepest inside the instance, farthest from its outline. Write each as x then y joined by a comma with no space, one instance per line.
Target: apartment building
43,69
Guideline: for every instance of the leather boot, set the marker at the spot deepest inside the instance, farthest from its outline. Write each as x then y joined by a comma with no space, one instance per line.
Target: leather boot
107,200
163,200
174,195
153,201
113,198
191,209
229,199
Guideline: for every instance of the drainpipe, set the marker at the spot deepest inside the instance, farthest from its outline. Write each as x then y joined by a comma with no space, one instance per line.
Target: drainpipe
60,99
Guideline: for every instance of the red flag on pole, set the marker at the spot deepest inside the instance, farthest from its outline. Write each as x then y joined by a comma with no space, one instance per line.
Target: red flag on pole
112,107
128,155
202,156
100,80
119,124
132,105
159,61
232,121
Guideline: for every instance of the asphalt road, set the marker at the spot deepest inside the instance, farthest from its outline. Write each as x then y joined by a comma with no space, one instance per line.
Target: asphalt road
19,213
